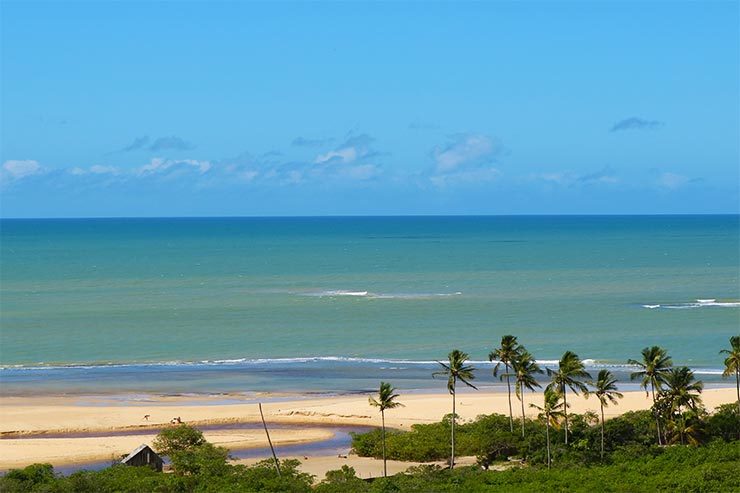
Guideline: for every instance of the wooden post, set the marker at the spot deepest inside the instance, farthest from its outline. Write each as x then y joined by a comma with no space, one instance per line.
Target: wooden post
277,464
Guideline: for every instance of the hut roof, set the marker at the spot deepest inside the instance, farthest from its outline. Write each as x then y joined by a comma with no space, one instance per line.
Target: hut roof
138,449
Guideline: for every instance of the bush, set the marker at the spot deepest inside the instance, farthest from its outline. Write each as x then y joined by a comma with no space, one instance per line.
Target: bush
343,480
205,459
178,438
724,423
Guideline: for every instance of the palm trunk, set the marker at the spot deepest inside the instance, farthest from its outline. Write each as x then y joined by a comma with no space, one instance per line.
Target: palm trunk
547,434
522,401
452,441
385,468
655,412
737,386
602,431
565,410
511,413
274,456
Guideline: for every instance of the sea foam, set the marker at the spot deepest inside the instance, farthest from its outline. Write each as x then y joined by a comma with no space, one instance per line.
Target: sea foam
698,303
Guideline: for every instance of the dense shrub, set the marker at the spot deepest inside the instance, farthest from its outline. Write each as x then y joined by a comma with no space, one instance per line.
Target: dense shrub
633,463
178,438
724,423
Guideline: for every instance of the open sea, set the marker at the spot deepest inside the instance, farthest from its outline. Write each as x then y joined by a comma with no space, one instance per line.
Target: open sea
336,304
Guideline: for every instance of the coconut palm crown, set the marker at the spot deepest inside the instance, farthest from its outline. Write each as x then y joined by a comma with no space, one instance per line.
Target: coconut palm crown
386,398
682,390
455,369
653,368
504,355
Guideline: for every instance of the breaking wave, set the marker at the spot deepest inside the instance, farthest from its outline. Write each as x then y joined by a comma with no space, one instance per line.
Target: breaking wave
699,303
337,293
315,361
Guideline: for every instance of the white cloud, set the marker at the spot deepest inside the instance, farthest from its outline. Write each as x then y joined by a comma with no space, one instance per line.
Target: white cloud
354,148
466,149
605,176
159,165
18,169
98,169
345,155
77,171
671,180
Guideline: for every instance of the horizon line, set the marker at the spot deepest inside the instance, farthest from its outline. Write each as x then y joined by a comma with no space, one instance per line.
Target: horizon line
359,216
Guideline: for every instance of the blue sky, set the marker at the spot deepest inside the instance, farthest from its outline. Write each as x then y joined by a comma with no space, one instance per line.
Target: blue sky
197,109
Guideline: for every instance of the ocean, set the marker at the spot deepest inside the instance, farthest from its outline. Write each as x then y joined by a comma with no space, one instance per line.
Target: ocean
314,305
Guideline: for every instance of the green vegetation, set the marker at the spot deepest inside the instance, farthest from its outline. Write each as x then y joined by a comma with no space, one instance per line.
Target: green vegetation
633,463
488,437
681,469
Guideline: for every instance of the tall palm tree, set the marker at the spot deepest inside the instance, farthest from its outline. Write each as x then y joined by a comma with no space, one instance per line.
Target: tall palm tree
653,368
505,354
455,369
605,388
386,400
552,412
732,364
524,368
569,374
681,392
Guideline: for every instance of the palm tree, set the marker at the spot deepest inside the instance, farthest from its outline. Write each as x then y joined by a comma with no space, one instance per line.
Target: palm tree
653,368
551,412
605,389
681,392
455,369
732,364
505,354
568,375
524,367
686,430
386,400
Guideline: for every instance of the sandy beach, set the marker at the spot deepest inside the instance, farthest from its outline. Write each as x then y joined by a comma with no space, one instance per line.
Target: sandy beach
54,429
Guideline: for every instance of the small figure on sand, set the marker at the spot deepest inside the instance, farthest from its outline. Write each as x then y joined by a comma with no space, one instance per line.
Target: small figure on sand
176,421
146,417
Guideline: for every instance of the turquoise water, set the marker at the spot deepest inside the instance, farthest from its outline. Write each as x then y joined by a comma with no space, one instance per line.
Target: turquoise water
331,303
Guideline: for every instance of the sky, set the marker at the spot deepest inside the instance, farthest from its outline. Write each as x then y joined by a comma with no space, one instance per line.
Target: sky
349,108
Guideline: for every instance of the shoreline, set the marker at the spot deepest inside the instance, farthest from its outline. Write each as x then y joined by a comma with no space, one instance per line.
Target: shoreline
27,423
